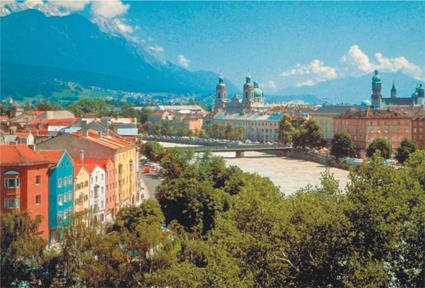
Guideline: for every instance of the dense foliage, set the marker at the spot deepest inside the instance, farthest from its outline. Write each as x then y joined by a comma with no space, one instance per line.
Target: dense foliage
406,148
227,228
309,135
381,145
286,130
343,146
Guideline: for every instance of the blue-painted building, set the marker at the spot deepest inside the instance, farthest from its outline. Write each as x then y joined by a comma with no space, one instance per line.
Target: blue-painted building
61,198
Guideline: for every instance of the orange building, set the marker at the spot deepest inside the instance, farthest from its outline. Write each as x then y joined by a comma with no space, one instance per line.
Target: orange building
24,183
364,126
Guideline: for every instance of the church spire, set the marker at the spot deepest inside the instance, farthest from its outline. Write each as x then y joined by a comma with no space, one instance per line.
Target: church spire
393,91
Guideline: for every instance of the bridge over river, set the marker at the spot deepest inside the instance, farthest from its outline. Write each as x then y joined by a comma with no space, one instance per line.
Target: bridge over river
279,150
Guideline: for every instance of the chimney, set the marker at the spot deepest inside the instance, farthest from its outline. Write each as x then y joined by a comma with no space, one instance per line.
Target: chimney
82,155
84,129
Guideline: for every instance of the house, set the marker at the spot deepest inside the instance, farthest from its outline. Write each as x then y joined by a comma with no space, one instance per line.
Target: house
61,186
97,189
81,188
364,126
24,183
107,211
101,147
324,117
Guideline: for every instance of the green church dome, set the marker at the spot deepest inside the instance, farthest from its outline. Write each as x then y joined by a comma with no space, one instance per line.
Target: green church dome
376,78
257,91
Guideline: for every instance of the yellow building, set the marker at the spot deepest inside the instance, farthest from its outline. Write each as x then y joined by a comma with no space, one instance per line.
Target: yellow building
125,160
81,189
324,117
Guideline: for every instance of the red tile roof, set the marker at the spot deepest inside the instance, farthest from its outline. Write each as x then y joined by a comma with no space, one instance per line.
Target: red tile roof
47,122
52,156
20,155
111,142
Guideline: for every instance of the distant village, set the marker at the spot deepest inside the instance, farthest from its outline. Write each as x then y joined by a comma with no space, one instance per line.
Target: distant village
55,163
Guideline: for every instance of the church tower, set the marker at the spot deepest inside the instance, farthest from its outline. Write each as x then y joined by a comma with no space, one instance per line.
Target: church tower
248,93
393,91
376,91
220,95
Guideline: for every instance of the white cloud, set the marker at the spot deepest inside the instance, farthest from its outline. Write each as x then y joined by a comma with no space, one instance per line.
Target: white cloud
316,72
271,84
156,49
358,59
356,62
183,61
109,8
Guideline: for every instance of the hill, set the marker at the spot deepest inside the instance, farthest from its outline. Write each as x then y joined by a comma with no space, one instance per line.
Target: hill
36,50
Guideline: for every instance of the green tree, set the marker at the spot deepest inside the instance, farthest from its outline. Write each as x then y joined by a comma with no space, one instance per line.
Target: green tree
127,110
23,258
342,145
406,148
286,130
145,114
309,135
88,105
381,145
153,151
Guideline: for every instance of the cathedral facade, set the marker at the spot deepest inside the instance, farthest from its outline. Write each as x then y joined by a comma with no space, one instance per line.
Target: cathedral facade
252,96
378,102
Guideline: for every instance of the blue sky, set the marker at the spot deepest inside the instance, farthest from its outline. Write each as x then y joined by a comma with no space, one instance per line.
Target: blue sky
279,43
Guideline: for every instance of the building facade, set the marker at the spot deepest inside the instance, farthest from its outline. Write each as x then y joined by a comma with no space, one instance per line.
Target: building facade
61,187
417,99
24,183
324,117
418,130
252,96
81,189
97,192
364,126
101,147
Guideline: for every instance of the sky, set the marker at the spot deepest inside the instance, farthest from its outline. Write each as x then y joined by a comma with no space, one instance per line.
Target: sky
280,44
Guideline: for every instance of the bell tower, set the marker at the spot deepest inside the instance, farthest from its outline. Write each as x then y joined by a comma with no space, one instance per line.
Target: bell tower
220,95
376,91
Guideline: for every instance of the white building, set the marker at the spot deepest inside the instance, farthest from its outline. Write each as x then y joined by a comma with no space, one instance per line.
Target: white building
97,197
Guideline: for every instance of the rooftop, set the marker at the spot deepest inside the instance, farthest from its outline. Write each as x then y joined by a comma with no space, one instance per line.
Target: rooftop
52,156
20,155
373,114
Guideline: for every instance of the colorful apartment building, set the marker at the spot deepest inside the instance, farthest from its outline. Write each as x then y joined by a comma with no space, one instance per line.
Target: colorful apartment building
81,188
97,189
366,125
24,183
61,186
99,146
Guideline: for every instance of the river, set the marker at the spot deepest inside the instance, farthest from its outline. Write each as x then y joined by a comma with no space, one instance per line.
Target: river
287,173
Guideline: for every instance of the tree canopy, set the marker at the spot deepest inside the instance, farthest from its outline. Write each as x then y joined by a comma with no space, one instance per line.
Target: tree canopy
381,145
216,226
406,148
342,145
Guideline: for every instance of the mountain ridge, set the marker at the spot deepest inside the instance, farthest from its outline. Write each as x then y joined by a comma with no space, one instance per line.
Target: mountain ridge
70,45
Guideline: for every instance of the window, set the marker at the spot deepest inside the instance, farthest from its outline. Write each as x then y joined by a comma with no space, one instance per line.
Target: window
11,183
65,181
70,179
37,180
59,216
38,199
12,203
60,200
59,183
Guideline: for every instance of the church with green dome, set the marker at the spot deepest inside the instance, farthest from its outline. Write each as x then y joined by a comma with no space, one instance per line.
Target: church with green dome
252,98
